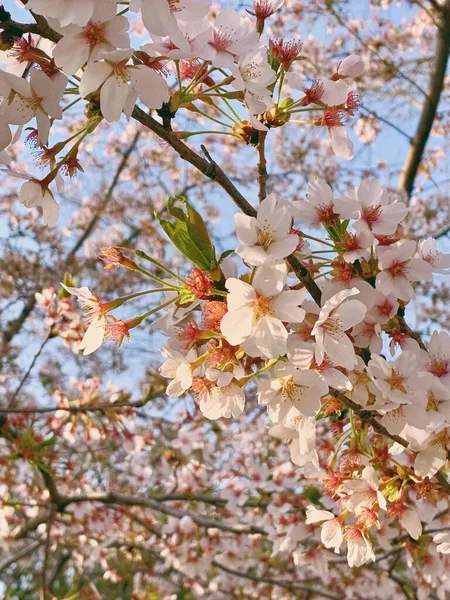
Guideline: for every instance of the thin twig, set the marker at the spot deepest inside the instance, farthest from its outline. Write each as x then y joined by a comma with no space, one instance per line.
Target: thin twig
30,368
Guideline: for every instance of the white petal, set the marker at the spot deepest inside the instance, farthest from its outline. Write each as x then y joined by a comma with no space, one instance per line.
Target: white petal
151,87
113,95
94,76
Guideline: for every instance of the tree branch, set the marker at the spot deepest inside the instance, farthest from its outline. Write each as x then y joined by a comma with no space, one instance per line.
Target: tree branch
287,585
433,96
263,176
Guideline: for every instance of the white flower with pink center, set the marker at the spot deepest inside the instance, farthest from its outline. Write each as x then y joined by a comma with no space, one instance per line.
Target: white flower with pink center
39,97
359,548
301,431
321,206
439,261
179,368
104,31
95,313
232,35
437,360
331,533
402,389
302,355
253,74
266,238
336,317
398,269
356,245
118,81
376,212
257,313
291,391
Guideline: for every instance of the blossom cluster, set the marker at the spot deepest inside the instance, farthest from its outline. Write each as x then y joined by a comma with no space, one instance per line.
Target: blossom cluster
252,329
299,337
192,63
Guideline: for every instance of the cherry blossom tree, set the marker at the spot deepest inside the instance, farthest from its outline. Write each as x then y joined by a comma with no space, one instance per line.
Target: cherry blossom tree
276,424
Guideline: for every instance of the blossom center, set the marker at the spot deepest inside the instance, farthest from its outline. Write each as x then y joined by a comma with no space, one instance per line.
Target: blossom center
265,236
262,306
333,325
221,41
290,391
94,34
396,381
438,367
326,214
399,269
174,5
372,214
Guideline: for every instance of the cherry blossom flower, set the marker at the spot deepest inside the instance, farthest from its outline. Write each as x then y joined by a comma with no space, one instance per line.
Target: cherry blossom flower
364,492
254,74
375,211
437,360
291,388
96,317
39,97
430,460
331,533
367,334
113,76
398,269
177,367
337,316
321,206
232,35
301,431
104,31
256,312
402,389
359,548
334,119
356,245
223,401
266,237
34,194
439,261
302,355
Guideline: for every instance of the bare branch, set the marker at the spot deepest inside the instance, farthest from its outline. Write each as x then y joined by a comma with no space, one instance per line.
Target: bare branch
287,585
19,554
433,96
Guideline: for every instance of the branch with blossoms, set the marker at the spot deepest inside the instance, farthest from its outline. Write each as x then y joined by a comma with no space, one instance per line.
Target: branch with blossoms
306,315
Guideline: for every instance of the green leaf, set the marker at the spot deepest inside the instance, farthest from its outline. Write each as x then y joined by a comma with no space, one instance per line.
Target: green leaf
189,234
224,255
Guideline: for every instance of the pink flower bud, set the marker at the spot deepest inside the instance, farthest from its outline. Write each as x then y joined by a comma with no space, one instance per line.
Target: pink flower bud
352,66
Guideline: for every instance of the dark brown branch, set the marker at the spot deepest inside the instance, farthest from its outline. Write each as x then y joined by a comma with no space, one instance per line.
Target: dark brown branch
263,176
211,169
430,106
41,27
128,500
288,585
19,554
